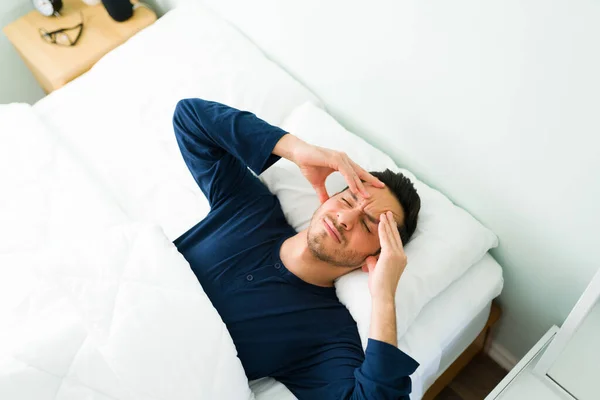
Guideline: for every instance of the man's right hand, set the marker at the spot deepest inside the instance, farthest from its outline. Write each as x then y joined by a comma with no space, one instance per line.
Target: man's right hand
384,275
317,163
385,272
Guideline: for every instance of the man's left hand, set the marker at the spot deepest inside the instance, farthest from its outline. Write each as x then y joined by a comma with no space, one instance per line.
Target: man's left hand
317,163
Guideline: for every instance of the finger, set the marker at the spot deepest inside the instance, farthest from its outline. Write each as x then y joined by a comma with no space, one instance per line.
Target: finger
366,176
322,193
395,232
347,170
349,175
383,235
388,231
357,171
360,186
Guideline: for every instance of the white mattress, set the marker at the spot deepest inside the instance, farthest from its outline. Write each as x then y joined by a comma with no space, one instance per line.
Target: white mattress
443,330
450,322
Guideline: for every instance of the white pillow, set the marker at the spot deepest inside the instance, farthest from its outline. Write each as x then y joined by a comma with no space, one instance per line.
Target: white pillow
447,241
114,315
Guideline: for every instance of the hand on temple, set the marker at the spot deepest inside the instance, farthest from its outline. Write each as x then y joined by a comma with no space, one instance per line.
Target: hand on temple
386,269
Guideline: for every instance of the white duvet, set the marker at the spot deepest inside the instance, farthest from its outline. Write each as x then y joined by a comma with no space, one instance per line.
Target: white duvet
92,305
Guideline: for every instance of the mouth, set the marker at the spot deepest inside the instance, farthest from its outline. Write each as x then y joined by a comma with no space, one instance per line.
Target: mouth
329,227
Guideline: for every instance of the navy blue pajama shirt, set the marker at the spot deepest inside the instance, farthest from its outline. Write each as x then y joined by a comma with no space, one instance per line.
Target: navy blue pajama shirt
282,327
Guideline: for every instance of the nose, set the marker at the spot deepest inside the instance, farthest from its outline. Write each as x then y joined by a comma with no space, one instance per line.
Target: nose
347,218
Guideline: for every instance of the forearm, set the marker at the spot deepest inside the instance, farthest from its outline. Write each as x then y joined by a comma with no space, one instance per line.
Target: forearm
383,321
286,145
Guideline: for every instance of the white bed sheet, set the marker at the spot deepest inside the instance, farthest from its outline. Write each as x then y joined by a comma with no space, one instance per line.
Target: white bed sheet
441,332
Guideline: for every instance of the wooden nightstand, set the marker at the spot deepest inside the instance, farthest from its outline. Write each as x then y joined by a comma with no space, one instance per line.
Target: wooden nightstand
53,65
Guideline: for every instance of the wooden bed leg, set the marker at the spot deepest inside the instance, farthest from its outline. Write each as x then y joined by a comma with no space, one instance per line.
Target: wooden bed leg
495,314
481,342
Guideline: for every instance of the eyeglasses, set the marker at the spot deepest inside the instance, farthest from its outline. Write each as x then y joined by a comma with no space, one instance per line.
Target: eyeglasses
63,37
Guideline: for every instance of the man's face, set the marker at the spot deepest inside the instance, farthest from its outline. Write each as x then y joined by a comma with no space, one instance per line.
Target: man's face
344,230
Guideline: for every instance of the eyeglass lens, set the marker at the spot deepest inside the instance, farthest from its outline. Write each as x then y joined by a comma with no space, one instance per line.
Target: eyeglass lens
63,38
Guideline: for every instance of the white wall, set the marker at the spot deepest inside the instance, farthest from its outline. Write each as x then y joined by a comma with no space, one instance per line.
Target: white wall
17,84
496,104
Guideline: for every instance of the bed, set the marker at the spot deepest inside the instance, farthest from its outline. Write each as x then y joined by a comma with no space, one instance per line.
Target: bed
112,170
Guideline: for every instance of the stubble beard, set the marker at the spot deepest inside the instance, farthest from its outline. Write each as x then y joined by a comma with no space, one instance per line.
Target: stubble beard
335,257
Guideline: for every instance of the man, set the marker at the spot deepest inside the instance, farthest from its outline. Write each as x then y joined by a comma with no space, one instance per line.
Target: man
272,286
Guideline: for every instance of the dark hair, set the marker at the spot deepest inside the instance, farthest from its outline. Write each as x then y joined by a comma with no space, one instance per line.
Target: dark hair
407,195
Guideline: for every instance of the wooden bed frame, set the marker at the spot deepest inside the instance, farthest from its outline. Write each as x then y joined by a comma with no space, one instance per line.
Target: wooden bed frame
474,348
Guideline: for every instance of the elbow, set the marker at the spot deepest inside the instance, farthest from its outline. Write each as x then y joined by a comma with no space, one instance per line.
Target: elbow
190,106
183,109
186,115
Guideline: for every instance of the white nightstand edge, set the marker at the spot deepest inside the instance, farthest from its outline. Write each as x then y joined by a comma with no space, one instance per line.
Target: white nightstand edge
582,308
522,363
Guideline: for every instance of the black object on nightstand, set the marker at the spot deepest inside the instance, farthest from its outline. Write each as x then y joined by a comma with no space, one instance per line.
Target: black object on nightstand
119,10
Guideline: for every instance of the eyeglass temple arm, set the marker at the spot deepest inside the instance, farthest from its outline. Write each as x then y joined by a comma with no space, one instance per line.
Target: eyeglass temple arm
65,29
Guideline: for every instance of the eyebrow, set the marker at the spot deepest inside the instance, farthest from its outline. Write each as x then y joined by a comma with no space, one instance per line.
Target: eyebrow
370,217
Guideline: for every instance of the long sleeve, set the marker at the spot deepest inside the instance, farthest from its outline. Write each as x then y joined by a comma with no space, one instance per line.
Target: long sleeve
342,372
218,142
385,373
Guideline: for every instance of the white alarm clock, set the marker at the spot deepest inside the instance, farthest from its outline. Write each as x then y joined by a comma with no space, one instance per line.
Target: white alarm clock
48,7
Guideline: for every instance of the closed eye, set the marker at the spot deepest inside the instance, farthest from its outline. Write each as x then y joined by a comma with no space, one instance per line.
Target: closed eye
366,227
363,221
